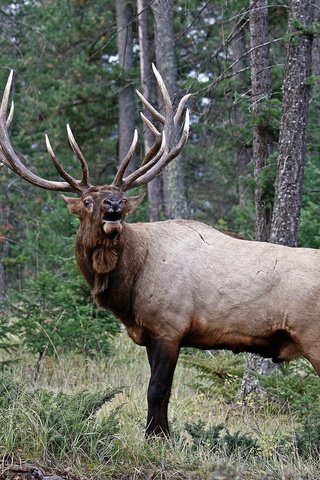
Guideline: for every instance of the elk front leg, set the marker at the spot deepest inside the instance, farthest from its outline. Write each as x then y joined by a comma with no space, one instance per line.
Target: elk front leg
163,358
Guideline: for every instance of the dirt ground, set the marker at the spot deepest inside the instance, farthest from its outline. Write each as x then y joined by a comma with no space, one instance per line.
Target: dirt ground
13,470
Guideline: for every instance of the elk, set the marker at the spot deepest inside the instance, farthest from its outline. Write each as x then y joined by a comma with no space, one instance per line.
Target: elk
181,283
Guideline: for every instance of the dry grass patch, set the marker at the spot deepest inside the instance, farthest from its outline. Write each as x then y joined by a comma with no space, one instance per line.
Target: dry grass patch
212,437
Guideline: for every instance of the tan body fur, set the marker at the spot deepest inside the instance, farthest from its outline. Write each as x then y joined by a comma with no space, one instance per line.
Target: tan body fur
198,287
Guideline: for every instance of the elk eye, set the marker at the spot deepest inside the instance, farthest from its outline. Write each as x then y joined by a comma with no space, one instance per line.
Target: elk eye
88,203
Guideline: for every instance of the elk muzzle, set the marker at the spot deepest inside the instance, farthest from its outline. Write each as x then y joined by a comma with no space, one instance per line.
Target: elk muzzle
112,216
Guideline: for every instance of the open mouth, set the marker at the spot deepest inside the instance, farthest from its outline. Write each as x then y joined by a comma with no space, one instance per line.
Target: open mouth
112,224
112,217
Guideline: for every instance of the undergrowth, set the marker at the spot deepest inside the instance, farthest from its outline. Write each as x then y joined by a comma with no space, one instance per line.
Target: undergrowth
55,426
88,414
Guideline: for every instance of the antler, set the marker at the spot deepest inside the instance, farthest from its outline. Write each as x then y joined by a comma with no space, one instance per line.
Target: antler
167,144
9,158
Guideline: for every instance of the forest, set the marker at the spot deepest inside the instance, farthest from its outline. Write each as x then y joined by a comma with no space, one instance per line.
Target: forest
72,384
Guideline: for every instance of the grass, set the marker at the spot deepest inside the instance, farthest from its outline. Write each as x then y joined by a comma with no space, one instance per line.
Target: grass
88,416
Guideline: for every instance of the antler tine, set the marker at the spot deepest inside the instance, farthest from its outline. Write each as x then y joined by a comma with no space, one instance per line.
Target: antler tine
151,170
180,108
11,159
160,154
150,125
118,180
3,113
72,181
8,124
153,150
150,107
158,136
10,116
5,98
164,93
85,181
130,180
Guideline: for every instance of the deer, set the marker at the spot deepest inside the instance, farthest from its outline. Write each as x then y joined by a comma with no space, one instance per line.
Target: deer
180,283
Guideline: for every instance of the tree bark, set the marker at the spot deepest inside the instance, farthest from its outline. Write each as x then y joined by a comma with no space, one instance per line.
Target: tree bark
316,44
243,153
292,140
261,91
4,247
175,195
292,147
3,272
149,92
126,96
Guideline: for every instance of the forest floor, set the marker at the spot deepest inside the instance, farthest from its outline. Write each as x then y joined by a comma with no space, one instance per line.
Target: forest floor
83,419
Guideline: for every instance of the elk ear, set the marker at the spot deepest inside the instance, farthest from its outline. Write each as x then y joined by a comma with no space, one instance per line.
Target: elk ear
133,203
74,204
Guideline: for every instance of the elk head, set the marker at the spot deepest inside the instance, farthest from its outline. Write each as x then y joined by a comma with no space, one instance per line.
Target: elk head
104,208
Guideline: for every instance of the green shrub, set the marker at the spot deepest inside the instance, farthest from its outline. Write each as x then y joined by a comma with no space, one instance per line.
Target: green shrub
216,375
308,435
53,425
296,384
203,436
217,437
8,343
57,312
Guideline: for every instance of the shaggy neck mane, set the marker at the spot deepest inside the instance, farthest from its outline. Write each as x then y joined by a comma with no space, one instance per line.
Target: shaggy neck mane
101,258
104,261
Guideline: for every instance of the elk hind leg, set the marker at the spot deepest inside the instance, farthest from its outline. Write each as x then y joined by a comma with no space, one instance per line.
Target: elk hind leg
313,355
315,362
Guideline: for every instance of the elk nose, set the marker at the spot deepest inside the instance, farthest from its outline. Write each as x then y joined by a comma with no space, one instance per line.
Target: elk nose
114,205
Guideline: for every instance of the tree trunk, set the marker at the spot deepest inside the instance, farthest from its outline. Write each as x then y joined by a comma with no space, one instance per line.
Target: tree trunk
262,147
261,92
292,141
126,97
149,92
4,247
175,195
292,146
3,274
316,44
243,153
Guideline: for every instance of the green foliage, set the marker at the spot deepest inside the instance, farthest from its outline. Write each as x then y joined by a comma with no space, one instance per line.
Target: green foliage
308,435
309,231
311,30
8,343
9,392
240,219
202,435
238,441
218,375
216,437
56,312
56,425
296,384
268,116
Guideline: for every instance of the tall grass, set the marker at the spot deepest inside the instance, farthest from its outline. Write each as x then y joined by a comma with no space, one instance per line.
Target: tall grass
88,416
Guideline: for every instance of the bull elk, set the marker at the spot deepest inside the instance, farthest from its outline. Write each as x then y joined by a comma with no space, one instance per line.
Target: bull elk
181,283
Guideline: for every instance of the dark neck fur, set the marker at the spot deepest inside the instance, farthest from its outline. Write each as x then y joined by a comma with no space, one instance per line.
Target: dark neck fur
110,266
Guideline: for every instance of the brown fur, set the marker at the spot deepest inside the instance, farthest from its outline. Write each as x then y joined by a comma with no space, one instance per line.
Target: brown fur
182,283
